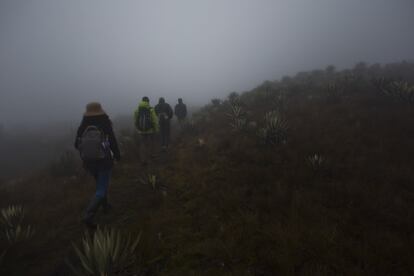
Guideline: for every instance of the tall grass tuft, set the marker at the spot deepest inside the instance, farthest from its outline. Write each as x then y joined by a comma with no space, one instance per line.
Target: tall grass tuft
275,129
237,116
315,161
399,90
13,228
108,252
150,181
12,215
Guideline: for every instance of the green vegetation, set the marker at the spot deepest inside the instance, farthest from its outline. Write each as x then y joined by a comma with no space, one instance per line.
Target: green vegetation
108,252
274,130
13,228
12,225
318,182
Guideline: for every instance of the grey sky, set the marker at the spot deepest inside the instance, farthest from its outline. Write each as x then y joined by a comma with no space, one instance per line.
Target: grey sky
57,55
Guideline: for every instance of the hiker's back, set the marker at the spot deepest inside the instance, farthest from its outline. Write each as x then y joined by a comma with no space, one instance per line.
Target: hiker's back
164,112
180,110
92,144
144,122
145,119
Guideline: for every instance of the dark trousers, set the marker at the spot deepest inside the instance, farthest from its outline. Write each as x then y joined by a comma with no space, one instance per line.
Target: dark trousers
146,147
165,133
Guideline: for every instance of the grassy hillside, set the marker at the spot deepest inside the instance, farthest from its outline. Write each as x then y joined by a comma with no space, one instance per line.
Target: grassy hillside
308,175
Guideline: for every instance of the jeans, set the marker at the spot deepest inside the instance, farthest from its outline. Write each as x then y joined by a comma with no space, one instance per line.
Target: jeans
102,183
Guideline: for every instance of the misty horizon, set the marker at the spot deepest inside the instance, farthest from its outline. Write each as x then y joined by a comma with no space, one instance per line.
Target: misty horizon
55,56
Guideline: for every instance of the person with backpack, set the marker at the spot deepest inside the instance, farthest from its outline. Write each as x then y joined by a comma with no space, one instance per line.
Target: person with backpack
180,110
146,122
164,113
98,147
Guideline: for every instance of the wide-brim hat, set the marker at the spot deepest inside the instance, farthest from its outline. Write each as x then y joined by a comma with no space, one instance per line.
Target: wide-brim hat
94,109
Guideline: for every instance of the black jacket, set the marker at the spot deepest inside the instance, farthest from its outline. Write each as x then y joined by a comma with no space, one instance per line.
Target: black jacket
164,108
180,110
103,123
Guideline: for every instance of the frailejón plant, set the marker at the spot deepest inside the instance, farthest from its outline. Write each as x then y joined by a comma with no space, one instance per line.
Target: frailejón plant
106,253
274,130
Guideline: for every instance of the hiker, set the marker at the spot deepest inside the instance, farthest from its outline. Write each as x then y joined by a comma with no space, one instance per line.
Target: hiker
98,148
180,110
146,122
164,113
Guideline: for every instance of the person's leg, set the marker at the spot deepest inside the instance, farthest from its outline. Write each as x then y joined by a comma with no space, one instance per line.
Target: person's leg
145,148
102,189
167,134
91,210
162,134
102,182
181,122
151,142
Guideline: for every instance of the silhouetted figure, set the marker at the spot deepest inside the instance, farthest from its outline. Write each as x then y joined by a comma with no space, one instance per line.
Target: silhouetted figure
164,113
180,110
146,122
98,148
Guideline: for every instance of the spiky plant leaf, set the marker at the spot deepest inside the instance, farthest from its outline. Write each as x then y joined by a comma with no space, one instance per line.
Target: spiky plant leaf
12,215
316,161
274,130
104,253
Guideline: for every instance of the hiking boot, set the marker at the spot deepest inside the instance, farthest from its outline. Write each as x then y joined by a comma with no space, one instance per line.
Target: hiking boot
107,209
106,206
91,210
90,225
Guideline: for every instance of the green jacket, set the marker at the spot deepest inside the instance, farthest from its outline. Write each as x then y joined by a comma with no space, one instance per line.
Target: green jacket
154,118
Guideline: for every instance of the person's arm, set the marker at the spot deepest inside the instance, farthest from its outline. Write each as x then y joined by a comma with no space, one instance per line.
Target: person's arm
114,146
136,117
170,112
113,143
81,129
185,110
155,120
157,109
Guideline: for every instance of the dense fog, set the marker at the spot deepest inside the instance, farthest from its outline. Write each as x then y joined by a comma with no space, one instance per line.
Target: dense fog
55,56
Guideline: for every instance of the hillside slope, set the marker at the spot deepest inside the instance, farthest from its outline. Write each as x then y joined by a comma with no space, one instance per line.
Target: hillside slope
322,185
